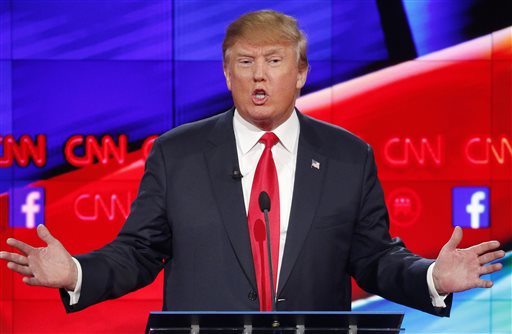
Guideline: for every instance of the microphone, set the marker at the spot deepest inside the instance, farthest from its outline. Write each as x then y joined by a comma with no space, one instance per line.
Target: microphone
236,174
264,202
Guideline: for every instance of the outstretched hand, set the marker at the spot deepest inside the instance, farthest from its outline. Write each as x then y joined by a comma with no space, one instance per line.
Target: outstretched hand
51,266
460,269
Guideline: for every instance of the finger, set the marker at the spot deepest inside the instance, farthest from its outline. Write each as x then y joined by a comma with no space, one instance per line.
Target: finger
485,247
20,245
454,239
482,283
31,281
23,270
488,257
45,235
13,257
490,268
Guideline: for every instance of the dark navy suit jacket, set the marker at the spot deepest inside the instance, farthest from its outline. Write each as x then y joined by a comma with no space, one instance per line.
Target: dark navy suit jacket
189,219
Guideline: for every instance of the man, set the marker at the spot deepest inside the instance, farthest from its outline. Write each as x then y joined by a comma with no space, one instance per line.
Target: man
197,214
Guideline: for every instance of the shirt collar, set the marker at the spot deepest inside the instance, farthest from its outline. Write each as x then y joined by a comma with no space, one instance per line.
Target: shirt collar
247,134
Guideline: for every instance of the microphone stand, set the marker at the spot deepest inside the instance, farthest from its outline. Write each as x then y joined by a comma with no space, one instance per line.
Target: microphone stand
269,249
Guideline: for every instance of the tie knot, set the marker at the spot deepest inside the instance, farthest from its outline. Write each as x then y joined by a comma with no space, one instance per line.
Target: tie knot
269,139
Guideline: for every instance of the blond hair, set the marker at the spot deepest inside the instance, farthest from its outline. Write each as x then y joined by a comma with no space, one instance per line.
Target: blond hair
266,27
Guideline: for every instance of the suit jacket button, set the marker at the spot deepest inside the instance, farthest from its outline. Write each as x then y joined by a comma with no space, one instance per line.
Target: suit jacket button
252,295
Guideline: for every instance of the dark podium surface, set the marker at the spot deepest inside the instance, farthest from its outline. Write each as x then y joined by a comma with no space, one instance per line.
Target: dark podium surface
274,322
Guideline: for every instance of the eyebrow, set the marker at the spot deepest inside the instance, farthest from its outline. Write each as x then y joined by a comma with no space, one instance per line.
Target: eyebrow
270,52
273,51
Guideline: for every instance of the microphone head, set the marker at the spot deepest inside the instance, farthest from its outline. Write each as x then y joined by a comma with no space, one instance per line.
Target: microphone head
264,201
236,175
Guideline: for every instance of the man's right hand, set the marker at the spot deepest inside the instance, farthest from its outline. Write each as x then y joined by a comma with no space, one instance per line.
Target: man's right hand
51,266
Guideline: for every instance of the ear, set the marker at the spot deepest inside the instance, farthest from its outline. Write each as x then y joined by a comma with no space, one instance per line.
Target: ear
227,75
302,75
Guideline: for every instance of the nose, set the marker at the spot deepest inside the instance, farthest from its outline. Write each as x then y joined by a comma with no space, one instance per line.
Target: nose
259,71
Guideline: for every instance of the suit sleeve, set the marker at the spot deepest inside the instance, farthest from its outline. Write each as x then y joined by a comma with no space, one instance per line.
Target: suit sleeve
140,250
380,264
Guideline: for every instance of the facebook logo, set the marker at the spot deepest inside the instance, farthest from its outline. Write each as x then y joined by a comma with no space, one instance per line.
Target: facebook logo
28,207
470,207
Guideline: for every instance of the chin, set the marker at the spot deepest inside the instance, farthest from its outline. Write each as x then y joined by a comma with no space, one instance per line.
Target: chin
262,118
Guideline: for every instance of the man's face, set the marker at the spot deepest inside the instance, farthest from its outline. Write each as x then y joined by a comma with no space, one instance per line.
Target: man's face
264,81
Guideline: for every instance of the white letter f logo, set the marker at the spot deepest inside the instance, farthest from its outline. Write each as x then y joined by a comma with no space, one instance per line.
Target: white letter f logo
30,208
474,208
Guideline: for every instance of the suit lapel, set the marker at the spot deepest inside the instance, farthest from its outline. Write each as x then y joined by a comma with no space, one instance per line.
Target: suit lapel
221,159
309,175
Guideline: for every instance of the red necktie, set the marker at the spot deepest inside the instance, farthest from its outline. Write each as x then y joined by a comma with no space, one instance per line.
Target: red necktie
265,179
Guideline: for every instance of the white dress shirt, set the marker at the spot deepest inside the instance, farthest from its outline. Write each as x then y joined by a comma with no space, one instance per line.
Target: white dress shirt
284,153
285,157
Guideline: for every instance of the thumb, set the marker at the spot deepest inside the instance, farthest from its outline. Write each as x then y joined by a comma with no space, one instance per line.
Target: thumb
45,235
454,239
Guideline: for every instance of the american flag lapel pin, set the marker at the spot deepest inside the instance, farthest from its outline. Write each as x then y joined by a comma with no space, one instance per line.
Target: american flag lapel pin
315,164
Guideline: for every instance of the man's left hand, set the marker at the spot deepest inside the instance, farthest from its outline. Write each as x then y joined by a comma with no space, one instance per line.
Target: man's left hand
460,269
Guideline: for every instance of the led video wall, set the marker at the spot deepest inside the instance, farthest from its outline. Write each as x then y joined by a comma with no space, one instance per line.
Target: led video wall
86,87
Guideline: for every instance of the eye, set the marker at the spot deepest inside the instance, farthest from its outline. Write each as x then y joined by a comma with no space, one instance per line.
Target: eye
245,61
274,60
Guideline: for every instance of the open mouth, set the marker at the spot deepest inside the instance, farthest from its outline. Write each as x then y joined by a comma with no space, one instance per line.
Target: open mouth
259,96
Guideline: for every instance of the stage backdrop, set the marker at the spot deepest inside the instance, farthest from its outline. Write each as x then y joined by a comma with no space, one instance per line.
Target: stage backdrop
86,86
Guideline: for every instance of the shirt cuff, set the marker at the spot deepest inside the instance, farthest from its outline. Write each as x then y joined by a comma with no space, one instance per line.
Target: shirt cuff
75,294
436,299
